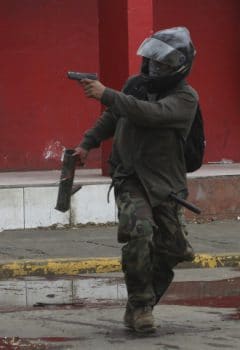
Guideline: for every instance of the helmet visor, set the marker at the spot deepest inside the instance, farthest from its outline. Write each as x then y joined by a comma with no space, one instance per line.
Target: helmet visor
158,50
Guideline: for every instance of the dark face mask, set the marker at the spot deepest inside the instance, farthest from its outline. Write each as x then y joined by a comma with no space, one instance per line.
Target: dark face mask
159,70
159,77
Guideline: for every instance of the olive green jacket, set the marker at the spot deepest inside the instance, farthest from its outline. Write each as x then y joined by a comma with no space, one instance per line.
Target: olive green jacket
147,138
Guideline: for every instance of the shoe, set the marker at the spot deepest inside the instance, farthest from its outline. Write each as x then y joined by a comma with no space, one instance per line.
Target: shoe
140,319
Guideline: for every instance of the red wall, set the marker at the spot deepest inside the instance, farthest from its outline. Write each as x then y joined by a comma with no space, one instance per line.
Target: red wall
41,110
215,30
122,27
140,26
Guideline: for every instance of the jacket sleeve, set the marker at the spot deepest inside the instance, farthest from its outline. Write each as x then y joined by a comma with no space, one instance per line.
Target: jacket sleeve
173,111
103,129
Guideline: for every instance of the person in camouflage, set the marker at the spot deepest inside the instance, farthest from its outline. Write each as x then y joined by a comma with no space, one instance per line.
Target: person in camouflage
149,121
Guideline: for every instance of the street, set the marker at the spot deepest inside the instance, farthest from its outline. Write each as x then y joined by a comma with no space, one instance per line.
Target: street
201,310
100,327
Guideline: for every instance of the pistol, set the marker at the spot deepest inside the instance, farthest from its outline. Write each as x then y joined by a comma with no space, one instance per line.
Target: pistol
80,75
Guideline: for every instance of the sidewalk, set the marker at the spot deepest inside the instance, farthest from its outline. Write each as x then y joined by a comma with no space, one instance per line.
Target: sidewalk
93,248
28,199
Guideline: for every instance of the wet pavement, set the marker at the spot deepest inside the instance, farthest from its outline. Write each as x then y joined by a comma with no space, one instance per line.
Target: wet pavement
199,311
100,327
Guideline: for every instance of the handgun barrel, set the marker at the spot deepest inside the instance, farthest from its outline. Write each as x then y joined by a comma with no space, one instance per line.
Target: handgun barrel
80,76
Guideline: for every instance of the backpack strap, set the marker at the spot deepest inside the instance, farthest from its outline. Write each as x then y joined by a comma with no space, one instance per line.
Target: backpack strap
194,144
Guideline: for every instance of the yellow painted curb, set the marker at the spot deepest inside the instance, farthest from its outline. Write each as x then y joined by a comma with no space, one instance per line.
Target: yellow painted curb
58,267
222,260
61,267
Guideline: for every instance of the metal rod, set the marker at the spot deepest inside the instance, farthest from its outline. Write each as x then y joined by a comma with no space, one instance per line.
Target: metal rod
185,203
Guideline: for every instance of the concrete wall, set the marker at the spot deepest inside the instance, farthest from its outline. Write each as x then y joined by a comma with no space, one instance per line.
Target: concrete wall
33,207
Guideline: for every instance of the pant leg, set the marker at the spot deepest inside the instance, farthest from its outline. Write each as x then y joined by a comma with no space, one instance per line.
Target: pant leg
136,230
170,237
170,245
163,274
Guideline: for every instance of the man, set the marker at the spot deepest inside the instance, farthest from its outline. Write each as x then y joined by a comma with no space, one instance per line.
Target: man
149,121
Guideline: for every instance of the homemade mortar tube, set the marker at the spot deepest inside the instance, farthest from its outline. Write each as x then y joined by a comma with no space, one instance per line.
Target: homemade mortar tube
65,189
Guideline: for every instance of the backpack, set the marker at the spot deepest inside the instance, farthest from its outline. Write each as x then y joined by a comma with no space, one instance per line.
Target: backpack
194,145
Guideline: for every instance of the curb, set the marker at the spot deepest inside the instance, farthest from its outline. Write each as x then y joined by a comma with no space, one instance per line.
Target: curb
71,267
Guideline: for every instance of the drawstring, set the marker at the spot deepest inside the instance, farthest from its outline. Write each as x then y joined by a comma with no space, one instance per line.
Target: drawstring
109,190
117,182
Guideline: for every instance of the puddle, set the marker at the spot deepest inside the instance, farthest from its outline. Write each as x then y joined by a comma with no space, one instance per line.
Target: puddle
235,316
218,301
221,293
101,291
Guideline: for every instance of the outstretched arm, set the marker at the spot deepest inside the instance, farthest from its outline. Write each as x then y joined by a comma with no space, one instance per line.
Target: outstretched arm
172,111
104,127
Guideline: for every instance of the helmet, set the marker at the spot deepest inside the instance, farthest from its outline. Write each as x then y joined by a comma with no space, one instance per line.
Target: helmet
171,49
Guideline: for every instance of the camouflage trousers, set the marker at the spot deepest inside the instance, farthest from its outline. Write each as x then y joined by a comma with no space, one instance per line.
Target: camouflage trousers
155,242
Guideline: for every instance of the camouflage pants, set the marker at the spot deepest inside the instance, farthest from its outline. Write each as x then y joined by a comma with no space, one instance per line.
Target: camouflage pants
155,243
